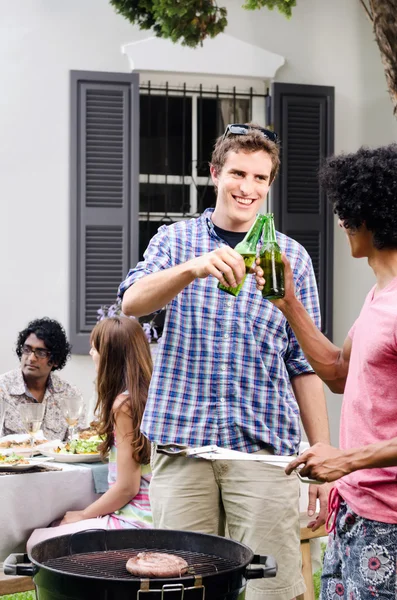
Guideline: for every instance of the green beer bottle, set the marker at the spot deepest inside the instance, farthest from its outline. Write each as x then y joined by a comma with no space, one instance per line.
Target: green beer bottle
247,249
271,263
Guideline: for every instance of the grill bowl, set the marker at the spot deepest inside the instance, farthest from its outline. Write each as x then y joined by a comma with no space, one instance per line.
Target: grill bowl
91,564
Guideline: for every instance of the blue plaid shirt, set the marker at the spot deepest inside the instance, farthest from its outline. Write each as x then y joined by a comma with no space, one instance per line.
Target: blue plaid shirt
223,370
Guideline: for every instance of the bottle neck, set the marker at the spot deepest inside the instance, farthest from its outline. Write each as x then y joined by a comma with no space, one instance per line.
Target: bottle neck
252,238
269,230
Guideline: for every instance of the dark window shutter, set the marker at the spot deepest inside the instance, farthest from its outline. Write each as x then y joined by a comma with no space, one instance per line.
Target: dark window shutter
303,116
104,193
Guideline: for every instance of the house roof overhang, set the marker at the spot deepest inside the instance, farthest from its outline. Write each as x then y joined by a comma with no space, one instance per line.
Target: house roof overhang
222,55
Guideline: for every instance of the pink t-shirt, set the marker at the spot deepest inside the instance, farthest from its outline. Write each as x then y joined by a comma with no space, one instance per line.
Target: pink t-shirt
369,410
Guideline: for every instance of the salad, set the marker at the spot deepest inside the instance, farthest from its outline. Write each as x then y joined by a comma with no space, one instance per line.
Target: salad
13,459
89,446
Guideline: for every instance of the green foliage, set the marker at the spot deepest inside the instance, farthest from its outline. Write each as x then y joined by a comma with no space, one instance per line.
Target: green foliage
317,574
187,21
317,583
283,6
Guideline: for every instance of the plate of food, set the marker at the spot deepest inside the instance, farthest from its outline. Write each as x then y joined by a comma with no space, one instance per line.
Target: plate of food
89,432
18,462
20,444
76,450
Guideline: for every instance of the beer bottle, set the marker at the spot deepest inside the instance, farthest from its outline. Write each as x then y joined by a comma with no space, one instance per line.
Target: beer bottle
247,249
271,263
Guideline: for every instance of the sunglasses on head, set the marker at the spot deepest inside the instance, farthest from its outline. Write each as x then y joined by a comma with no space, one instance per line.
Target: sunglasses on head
239,129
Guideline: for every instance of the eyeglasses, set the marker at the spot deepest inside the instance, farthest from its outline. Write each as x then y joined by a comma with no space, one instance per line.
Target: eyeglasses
239,129
38,352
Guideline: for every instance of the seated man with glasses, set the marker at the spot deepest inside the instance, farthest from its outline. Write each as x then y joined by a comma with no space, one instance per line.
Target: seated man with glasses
229,370
42,348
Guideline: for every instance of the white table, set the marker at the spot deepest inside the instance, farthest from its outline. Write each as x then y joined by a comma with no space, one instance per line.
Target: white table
32,500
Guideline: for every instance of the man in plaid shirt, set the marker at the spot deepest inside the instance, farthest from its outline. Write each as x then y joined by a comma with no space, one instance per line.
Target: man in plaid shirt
229,370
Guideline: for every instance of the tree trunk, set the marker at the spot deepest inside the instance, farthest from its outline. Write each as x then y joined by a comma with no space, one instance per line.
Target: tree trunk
384,19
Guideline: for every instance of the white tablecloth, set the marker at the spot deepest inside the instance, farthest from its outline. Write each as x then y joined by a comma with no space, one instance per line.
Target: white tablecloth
31,500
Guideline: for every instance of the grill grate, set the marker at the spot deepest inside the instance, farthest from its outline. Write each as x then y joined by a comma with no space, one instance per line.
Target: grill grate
110,564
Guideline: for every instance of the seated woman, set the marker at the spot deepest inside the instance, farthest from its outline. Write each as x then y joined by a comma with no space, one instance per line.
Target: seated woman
123,362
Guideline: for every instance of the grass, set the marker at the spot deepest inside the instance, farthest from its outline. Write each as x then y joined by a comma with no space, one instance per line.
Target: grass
21,596
316,575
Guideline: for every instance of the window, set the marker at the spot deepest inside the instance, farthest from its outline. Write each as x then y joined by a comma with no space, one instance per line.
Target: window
178,128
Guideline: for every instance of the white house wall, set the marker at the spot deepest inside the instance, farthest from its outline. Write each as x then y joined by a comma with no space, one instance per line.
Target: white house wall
325,43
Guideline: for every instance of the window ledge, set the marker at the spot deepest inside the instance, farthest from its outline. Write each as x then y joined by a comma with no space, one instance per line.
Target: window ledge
213,58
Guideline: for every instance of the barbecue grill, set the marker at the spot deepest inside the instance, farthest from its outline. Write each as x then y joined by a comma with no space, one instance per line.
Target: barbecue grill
91,564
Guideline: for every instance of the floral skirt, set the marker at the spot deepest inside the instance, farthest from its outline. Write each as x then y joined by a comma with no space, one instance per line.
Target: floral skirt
360,560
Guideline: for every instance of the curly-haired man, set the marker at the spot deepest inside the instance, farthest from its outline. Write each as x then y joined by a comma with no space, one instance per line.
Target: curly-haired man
361,558
42,349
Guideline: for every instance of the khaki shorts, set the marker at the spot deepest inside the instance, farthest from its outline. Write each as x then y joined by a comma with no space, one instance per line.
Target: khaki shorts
258,503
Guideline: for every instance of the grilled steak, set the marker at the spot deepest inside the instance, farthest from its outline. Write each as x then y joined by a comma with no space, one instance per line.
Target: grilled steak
157,564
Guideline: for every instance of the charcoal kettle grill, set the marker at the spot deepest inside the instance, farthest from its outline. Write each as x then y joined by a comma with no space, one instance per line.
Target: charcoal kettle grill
91,564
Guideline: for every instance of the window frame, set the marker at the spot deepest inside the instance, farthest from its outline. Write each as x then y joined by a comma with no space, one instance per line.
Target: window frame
194,92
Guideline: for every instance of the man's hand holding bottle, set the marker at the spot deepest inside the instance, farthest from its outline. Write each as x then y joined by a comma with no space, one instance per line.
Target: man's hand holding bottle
224,263
289,286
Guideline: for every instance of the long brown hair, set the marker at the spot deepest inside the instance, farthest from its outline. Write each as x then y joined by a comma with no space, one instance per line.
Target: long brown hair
125,364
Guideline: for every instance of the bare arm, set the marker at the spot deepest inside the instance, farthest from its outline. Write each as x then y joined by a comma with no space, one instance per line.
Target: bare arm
156,290
381,454
309,394
128,472
128,475
328,464
152,292
329,362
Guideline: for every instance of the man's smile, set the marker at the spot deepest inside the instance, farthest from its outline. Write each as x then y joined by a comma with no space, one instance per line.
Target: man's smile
245,201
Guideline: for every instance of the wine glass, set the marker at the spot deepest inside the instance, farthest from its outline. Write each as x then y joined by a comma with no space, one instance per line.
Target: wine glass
2,415
72,407
32,417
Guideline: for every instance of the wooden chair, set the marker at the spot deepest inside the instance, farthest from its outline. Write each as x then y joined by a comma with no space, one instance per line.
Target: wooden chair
306,536
12,584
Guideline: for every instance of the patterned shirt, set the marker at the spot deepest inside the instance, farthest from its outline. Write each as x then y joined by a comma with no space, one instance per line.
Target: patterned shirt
223,370
13,392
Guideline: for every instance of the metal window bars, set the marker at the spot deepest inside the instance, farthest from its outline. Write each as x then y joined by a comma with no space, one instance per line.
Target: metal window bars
179,126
